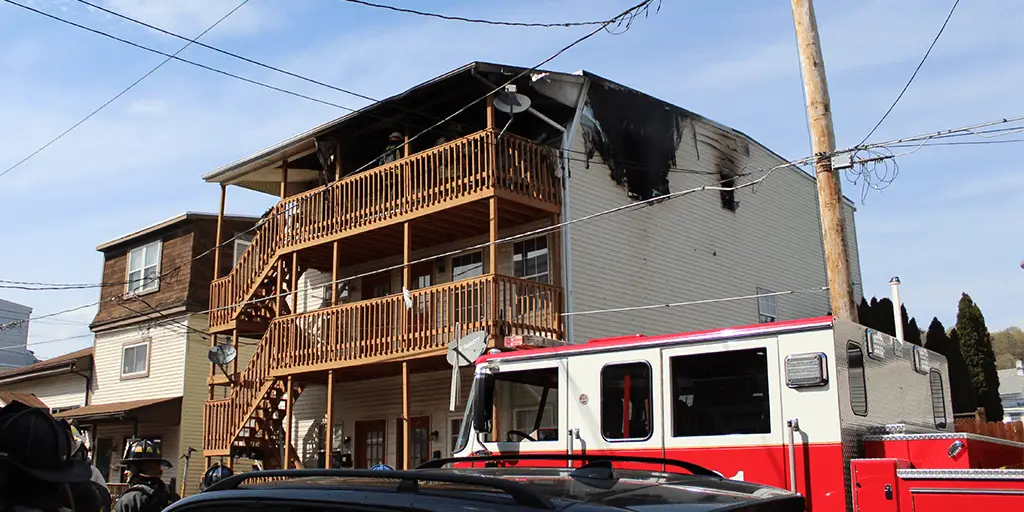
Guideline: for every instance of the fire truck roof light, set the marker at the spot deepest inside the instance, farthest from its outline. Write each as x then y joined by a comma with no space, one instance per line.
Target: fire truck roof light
806,370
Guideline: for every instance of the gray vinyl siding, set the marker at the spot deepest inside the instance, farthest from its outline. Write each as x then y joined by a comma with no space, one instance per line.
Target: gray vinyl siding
691,248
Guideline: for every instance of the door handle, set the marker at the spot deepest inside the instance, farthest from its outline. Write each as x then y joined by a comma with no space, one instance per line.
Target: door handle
574,433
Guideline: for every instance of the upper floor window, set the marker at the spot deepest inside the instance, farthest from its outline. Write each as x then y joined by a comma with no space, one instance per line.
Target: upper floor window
467,266
530,259
767,308
242,242
135,360
144,268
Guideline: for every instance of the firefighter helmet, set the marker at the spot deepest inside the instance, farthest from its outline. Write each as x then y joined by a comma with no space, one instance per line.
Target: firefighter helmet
215,474
144,450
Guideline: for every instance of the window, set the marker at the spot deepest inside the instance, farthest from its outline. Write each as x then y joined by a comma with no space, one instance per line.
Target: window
530,259
454,429
144,268
135,360
720,393
767,309
858,381
527,401
467,266
938,399
626,401
242,242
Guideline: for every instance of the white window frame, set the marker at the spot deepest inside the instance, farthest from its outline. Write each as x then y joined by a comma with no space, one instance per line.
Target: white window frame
541,277
136,374
452,436
241,243
767,307
144,287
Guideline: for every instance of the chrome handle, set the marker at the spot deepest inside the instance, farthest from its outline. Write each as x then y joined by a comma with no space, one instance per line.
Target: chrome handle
792,426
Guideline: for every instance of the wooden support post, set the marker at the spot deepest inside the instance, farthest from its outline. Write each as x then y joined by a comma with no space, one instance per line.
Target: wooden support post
284,179
493,297
337,162
295,283
823,143
278,295
234,364
405,147
405,415
220,227
406,278
493,235
334,275
329,434
288,425
490,112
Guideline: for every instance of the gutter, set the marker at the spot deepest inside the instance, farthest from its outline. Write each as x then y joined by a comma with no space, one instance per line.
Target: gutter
35,375
567,139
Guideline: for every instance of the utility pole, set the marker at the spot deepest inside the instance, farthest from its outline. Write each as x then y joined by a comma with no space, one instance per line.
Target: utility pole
823,143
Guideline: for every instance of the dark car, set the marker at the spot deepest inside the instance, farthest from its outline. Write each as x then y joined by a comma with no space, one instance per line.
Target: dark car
595,486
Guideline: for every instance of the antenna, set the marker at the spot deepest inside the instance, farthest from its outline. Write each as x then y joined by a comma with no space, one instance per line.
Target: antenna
221,355
463,352
511,102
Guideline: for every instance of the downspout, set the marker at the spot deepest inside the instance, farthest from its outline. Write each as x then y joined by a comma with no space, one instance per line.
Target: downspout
567,139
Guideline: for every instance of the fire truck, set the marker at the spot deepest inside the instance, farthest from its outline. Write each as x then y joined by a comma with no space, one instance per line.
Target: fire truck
851,418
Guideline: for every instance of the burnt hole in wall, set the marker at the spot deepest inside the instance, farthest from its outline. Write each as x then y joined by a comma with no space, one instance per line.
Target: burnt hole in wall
636,135
728,174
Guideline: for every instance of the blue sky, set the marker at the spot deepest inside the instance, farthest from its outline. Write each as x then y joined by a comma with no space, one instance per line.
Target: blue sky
949,223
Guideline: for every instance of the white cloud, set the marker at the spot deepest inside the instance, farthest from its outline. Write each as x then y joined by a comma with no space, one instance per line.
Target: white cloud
148,107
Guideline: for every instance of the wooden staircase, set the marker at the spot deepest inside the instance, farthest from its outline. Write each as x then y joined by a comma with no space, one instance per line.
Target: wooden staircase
262,435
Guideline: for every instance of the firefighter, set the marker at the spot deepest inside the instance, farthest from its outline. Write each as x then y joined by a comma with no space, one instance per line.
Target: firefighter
393,151
215,474
146,491
36,466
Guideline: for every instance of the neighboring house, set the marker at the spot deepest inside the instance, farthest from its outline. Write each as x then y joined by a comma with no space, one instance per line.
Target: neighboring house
60,383
418,255
1011,392
14,337
150,351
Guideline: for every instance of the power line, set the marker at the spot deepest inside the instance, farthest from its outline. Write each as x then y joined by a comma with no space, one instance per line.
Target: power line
914,75
118,95
693,302
44,342
476,20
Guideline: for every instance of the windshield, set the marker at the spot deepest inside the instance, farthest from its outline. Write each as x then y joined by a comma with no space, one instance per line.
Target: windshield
525,402
467,419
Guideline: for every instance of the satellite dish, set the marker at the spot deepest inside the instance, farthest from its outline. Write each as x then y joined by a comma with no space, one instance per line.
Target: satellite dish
465,350
221,355
511,102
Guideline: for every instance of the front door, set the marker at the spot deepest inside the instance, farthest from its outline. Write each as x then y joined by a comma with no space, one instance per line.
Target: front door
723,408
614,404
529,409
371,443
104,449
419,432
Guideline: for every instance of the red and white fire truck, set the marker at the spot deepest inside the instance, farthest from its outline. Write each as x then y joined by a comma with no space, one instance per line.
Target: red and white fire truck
851,418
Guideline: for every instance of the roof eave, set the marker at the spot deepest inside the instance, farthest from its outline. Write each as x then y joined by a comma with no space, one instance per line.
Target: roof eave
148,230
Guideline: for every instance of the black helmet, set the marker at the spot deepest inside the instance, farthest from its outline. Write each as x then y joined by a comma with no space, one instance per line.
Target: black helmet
215,474
143,450
33,442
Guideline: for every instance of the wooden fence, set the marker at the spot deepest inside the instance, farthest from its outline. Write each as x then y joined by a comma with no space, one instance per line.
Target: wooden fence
1010,431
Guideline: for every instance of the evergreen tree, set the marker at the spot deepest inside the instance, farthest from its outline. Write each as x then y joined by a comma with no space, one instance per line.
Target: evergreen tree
864,312
912,332
961,393
976,347
883,318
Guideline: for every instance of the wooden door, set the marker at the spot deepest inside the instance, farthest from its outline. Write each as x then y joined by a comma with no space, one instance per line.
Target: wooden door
104,449
419,432
371,443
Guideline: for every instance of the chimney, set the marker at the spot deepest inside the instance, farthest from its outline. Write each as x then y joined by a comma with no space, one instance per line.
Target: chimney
894,284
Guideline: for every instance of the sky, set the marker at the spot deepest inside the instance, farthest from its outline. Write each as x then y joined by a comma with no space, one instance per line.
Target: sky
949,223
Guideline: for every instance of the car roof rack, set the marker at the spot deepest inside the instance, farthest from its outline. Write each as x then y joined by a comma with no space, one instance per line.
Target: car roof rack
408,481
694,469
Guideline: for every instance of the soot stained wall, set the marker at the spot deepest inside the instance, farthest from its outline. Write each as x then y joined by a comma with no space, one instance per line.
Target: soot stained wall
637,137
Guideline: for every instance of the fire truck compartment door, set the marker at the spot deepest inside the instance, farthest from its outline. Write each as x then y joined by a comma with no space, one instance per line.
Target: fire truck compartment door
614,403
723,408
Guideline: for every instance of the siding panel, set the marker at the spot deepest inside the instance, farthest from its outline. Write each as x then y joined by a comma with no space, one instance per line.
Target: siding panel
55,392
166,363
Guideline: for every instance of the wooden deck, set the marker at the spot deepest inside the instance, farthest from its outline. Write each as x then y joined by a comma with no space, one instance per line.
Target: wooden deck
466,170
378,331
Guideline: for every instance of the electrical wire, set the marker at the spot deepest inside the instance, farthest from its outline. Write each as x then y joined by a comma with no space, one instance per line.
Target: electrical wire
475,20
123,91
914,75
693,302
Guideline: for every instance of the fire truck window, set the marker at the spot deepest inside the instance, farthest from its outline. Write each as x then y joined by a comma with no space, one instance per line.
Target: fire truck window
858,384
720,393
527,403
626,401
938,399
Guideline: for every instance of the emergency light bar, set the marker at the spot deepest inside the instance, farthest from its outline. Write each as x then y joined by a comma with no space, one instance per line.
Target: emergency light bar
520,342
806,370
921,360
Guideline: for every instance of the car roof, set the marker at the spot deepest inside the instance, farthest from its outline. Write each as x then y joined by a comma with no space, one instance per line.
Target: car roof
510,488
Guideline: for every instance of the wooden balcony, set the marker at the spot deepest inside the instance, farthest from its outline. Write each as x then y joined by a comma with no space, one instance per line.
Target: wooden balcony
378,331
469,169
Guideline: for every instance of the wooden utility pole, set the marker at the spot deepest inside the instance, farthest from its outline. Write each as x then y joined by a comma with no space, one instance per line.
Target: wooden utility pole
823,143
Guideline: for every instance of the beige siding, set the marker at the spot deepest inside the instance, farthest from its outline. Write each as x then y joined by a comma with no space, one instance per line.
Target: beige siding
374,400
691,248
196,391
166,363
55,392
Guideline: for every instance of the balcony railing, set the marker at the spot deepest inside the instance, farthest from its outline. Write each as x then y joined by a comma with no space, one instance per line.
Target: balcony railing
469,167
384,328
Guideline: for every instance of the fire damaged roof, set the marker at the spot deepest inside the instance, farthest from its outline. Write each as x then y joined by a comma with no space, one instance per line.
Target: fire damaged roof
637,135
